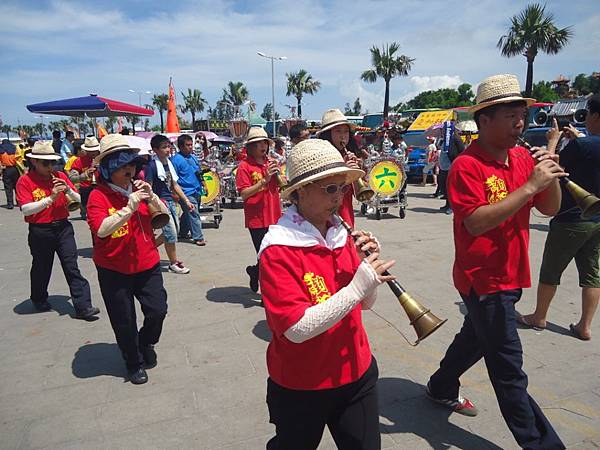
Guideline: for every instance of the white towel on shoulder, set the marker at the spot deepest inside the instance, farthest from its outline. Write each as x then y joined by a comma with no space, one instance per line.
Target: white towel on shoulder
160,170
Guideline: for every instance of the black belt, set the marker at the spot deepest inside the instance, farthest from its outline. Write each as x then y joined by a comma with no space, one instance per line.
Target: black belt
55,224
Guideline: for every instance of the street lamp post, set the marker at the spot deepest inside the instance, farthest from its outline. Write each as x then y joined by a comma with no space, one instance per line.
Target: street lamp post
139,93
272,58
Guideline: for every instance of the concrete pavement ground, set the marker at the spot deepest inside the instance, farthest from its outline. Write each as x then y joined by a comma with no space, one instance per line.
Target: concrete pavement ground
64,384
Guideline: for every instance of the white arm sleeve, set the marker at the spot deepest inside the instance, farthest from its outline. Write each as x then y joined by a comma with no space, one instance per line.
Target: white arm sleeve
36,207
73,195
369,301
113,222
322,316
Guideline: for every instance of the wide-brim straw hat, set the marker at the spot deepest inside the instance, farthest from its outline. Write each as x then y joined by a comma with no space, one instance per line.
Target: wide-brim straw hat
315,159
498,89
91,144
112,143
43,150
256,134
332,118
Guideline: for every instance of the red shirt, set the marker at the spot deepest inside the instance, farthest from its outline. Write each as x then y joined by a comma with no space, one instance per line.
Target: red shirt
131,248
31,187
80,165
292,279
263,208
498,259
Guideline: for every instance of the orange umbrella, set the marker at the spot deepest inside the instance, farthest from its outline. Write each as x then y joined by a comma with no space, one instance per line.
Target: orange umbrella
172,121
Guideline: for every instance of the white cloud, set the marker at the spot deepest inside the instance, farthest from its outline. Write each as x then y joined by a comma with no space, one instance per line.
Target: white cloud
430,83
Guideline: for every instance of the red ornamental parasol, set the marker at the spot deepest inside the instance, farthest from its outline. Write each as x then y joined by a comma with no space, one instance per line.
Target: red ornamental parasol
90,106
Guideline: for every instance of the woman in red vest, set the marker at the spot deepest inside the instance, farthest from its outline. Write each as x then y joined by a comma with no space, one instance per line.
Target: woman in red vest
125,253
315,280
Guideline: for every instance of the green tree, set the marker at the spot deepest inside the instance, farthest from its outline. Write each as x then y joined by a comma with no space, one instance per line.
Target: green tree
193,103
357,108
161,102
6,128
531,31
235,93
465,94
110,122
387,65
267,111
542,91
300,83
133,120
583,84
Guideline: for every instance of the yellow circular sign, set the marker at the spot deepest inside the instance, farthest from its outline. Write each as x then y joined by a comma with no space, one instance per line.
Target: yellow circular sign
386,178
212,184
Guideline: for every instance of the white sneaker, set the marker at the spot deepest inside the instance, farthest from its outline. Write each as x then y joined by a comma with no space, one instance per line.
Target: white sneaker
178,267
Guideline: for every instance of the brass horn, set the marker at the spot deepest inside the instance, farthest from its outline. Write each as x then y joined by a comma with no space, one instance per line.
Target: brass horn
422,319
72,203
158,219
362,191
586,201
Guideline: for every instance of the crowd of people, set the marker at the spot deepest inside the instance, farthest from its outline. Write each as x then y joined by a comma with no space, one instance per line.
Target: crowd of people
316,277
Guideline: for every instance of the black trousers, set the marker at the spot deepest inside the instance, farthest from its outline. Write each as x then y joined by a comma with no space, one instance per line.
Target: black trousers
489,331
350,412
257,235
118,290
45,240
10,177
85,192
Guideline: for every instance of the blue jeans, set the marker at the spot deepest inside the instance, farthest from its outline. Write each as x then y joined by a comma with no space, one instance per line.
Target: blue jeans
190,220
490,331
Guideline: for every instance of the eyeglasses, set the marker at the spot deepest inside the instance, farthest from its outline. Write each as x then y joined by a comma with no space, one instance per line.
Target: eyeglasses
335,188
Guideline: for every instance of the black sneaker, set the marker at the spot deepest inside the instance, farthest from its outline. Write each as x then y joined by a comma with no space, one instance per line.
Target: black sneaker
252,272
149,355
89,314
138,376
42,306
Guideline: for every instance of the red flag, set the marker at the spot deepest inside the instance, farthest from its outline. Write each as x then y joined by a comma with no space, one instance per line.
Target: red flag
172,121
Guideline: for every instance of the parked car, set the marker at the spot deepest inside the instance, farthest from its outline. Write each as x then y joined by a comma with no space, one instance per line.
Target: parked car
417,153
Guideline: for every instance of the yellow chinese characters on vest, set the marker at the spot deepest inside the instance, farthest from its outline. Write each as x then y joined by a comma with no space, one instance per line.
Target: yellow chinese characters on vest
495,189
316,287
122,230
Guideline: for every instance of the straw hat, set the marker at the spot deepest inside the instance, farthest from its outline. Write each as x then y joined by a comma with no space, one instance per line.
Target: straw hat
256,134
333,118
43,150
91,144
498,89
312,160
112,143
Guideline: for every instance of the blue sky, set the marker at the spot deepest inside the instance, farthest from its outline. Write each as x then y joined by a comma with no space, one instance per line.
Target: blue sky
59,49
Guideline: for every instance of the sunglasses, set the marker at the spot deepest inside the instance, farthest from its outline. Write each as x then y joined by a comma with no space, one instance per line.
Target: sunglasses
335,188
46,162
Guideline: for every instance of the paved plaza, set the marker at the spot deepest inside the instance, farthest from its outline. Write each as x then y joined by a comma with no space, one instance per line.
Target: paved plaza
63,382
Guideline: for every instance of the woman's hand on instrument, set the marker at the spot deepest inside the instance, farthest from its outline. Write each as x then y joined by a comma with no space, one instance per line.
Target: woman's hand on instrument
141,185
380,266
352,161
271,170
365,241
136,197
58,185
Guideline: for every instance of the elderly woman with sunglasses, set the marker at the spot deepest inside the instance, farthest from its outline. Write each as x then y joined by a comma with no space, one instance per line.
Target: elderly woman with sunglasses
42,193
315,280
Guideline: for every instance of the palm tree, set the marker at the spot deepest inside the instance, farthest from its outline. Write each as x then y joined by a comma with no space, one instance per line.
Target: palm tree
133,120
6,128
236,93
110,123
533,30
300,83
192,103
386,65
161,101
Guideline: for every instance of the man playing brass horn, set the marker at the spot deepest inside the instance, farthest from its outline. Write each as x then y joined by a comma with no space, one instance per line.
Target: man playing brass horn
492,187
